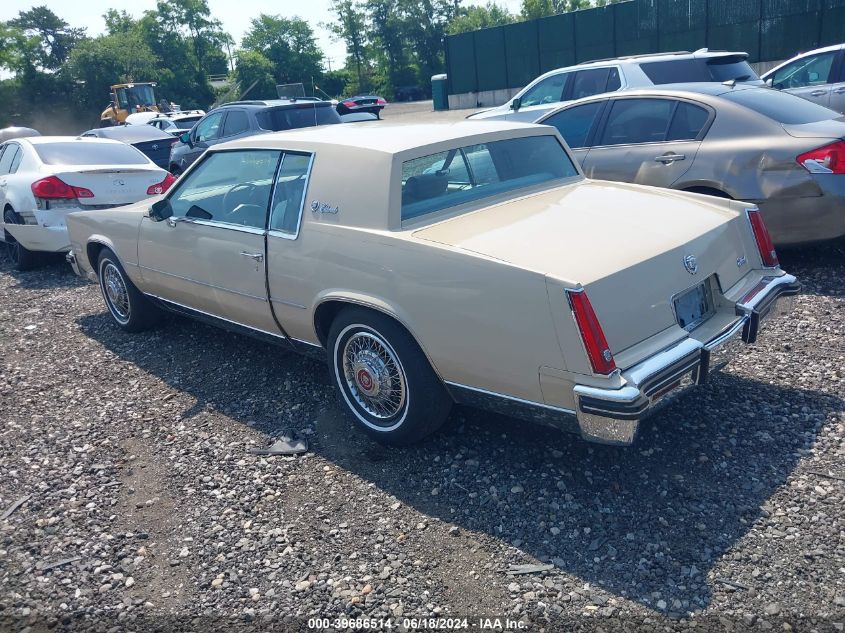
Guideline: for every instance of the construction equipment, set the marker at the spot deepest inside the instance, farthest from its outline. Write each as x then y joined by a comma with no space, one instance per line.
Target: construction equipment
128,99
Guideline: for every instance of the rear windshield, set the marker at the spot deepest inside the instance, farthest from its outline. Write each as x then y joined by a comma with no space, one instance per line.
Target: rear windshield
449,178
291,117
781,106
187,123
676,71
82,153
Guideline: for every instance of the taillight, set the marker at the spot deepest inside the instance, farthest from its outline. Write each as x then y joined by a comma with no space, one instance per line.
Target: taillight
592,335
161,187
381,101
350,104
763,239
53,188
829,159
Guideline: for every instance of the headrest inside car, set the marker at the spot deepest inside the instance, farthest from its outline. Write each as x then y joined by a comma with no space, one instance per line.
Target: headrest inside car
425,186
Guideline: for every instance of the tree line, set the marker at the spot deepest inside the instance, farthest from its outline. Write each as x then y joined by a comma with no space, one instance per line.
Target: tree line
56,73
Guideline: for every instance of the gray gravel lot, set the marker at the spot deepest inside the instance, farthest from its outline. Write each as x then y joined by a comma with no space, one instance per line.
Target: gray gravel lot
143,510
136,506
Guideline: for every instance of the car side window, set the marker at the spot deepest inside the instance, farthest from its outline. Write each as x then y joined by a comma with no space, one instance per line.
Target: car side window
16,159
289,194
587,83
637,121
574,124
209,128
228,187
9,153
550,90
237,121
687,122
809,71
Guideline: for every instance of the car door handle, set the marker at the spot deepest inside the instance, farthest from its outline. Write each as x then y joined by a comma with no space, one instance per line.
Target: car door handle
840,91
669,158
818,93
259,257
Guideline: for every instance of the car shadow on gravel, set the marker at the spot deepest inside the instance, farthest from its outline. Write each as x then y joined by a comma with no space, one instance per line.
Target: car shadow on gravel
819,267
647,522
55,273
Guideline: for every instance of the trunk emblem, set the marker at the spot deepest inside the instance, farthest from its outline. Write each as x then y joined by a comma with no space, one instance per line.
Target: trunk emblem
691,264
119,183
740,261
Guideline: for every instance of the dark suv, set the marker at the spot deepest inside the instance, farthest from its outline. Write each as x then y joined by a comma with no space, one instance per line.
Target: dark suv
244,118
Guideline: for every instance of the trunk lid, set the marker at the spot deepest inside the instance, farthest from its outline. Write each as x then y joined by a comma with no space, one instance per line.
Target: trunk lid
832,129
111,185
624,243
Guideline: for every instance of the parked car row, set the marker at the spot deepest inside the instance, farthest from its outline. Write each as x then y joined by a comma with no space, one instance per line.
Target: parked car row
492,263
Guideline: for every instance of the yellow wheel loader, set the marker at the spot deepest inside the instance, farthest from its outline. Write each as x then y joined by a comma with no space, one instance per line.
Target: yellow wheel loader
128,99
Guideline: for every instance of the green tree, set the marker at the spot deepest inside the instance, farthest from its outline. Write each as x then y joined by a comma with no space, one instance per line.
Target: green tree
95,64
350,26
477,17
388,30
254,72
426,22
119,22
289,44
55,36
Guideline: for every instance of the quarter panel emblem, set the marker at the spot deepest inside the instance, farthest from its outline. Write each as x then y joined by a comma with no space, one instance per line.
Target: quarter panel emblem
322,207
155,146
691,264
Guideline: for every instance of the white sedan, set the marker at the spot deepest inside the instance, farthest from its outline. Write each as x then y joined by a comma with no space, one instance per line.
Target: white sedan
44,178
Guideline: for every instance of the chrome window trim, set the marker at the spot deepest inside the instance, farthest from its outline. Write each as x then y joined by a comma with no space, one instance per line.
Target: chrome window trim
219,318
201,283
277,232
222,225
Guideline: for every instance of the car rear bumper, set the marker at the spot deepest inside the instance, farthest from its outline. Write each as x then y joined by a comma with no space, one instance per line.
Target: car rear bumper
612,416
793,221
51,239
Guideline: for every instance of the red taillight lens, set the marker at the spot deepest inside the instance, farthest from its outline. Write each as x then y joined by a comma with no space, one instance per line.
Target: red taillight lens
53,188
350,104
592,335
161,187
829,159
763,239
381,101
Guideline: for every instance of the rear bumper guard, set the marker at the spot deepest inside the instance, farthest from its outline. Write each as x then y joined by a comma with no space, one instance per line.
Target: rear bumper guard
612,416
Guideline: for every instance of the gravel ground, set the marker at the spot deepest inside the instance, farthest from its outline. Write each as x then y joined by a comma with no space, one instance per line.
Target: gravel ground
142,509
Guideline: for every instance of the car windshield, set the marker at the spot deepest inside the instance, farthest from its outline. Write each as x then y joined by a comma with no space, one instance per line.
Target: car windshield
723,68
781,106
301,115
141,95
82,153
449,178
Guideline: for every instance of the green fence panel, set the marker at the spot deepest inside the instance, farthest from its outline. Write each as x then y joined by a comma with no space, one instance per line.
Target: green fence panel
833,25
781,8
782,37
523,53
491,67
595,34
556,39
460,53
769,30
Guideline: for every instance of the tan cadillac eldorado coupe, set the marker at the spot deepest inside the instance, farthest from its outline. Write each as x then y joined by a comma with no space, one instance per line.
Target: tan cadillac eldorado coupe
434,264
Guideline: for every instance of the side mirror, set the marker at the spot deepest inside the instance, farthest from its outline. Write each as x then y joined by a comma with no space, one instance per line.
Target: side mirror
161,210
516,104
769,82
185,138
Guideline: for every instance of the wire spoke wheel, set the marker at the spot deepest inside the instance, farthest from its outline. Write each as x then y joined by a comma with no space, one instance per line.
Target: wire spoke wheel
116,294
374,376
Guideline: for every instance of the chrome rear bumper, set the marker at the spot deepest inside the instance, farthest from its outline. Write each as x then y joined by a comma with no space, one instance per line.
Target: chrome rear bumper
612,416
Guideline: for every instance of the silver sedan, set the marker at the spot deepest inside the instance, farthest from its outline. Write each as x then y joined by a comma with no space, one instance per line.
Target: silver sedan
771,148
